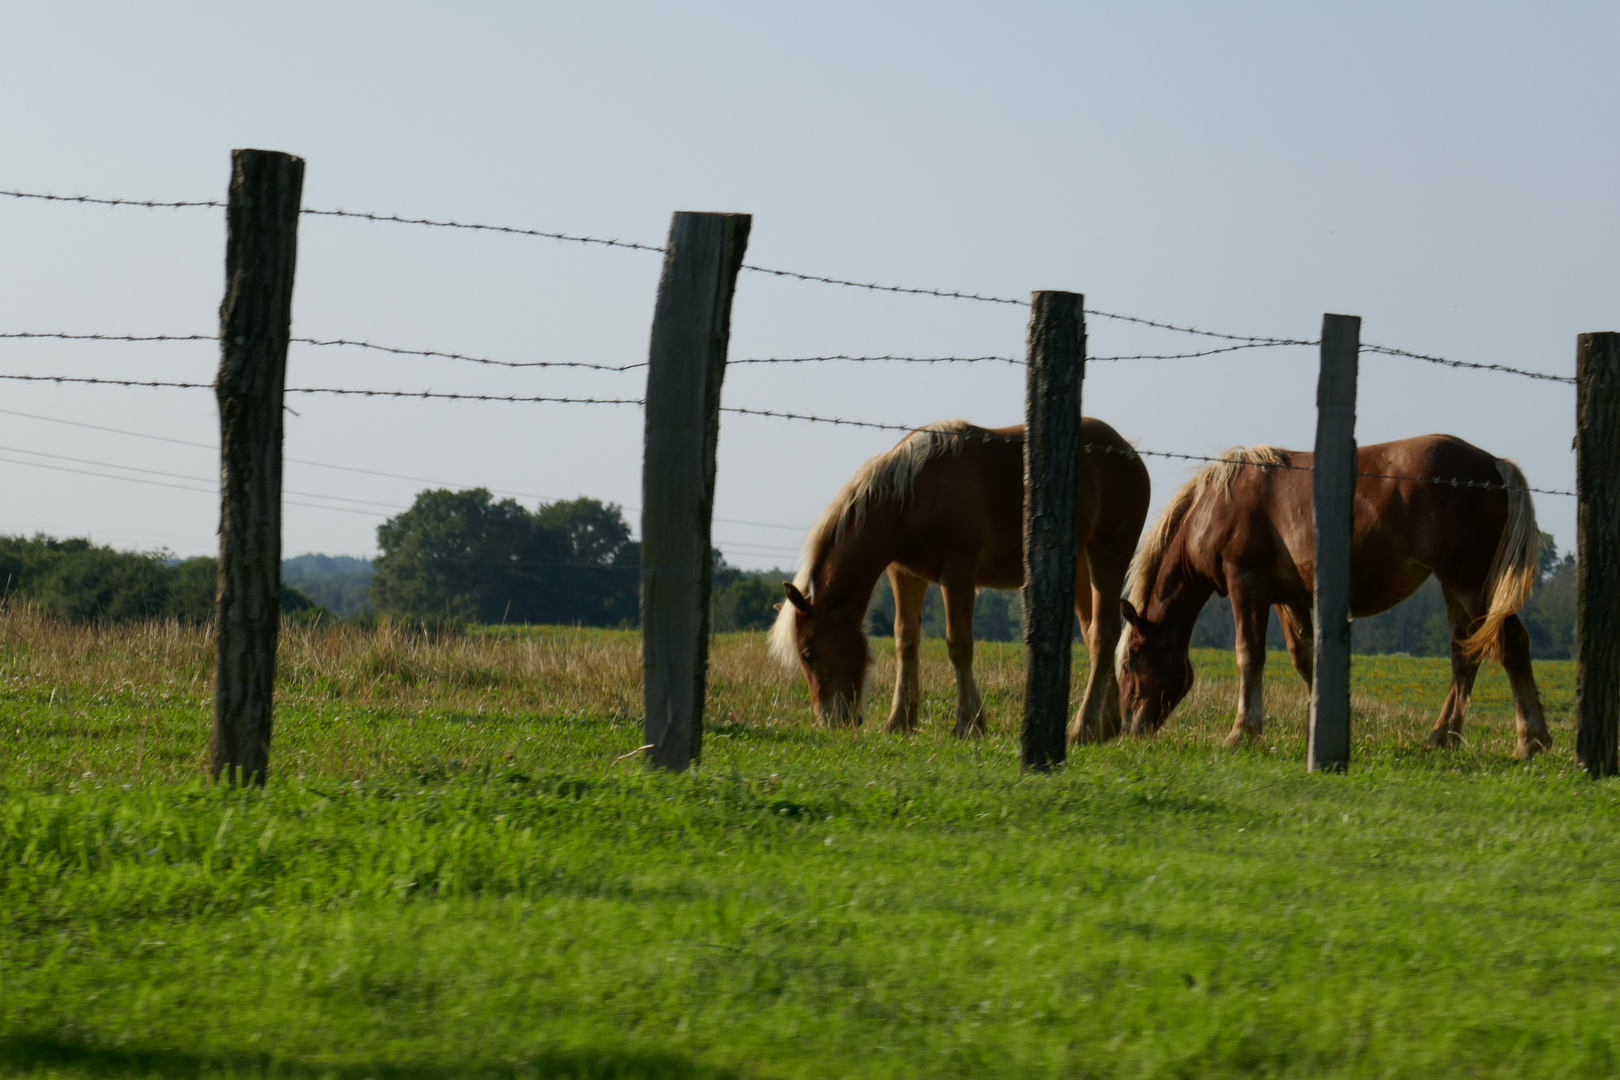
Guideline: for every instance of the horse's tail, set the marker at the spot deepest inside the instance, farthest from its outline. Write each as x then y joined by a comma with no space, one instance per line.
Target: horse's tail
1514,568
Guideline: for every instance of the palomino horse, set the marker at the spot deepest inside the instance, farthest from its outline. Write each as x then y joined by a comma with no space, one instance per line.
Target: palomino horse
1243,528
946,505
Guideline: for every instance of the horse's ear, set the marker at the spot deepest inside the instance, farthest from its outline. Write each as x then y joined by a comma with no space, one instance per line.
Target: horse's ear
1130,614
796,598
776,607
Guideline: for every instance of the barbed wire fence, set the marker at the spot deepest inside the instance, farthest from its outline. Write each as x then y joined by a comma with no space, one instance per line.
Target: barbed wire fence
1599,757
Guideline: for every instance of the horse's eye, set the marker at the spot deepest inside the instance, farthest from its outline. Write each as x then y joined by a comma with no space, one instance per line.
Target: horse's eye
808,655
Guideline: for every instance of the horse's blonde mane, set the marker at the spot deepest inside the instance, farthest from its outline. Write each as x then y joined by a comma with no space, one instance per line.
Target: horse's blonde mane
1150,552
889,475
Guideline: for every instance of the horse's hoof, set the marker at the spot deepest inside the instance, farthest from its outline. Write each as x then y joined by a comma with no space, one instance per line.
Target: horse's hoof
969,729
1442,739
1238,736
900,724
1529,747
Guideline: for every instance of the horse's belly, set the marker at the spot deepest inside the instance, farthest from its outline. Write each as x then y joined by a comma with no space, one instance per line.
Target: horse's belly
1375,594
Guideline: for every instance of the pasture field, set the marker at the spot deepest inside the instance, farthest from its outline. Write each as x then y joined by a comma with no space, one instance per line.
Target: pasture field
452,875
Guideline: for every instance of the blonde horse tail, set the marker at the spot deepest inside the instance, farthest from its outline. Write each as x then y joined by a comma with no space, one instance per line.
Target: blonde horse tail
1514,568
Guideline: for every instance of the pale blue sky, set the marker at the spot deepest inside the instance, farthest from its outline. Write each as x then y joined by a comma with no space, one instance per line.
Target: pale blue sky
1445,170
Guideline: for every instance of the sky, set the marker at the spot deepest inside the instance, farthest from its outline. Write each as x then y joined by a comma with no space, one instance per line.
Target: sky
1444,170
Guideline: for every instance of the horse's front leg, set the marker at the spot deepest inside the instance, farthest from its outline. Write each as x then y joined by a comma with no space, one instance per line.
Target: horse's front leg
959,598
909,592
1096,603
1251,610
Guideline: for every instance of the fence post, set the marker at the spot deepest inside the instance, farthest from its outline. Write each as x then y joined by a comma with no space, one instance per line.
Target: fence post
1597,569
686,365
255,318
1057,367
1333,489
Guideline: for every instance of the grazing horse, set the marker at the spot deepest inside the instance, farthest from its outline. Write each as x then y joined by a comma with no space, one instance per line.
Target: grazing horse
1243,528
946,505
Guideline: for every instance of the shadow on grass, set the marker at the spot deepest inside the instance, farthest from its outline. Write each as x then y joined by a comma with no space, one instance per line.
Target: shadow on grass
22,1055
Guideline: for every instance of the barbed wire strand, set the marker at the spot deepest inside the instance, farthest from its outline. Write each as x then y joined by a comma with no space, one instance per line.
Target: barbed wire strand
950,294
739,410
430,394
147,203
1243,343
350,342
1008,359
59,336
1250,340
470,359
1441,360
513,230
1137,451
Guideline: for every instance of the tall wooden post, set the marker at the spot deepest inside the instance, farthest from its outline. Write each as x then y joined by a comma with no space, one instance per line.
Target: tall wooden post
1057,367
1333,488
255,318
1597,570
686,365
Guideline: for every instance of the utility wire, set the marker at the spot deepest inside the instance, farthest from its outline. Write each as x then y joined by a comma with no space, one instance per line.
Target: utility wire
354,469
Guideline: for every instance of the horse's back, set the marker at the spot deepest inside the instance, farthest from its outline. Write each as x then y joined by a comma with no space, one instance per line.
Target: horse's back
1405,525
968,504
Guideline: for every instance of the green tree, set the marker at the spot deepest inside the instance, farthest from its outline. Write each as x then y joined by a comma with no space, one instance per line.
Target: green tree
748,603
600,581
455,553
465,555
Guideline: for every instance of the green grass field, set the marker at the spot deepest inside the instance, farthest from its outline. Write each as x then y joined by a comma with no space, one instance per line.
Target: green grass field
452,874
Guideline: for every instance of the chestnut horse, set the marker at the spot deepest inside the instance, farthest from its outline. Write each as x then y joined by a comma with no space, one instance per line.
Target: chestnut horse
946,505
1243,528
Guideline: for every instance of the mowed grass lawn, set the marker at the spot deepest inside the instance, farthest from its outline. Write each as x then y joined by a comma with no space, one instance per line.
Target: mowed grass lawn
453,874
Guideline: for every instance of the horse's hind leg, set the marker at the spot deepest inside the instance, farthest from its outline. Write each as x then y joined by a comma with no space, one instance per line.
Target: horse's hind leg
1530,722
909,592
960,594
1298,633
1448,728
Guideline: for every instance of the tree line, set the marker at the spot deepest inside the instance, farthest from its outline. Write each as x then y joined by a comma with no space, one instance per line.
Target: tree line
466,556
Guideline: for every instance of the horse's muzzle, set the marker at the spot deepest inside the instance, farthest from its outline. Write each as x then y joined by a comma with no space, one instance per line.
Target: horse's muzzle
841,711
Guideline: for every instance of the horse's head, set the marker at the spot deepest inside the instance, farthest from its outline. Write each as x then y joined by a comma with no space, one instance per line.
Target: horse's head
831,646
1154,672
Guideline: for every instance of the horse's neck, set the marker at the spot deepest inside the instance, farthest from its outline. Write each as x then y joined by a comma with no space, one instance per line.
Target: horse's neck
850,570
1179,591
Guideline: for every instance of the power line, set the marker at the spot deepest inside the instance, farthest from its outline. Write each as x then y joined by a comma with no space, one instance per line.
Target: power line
177,487
196,479
356,469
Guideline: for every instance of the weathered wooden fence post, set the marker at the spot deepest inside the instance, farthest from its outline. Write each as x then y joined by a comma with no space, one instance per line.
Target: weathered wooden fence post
1333,488
255,318
1057,367
1597,606
686,365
